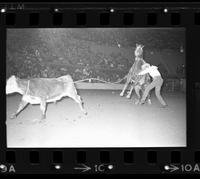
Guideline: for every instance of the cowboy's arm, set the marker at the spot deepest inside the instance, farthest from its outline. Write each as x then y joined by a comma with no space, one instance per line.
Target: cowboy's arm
144,71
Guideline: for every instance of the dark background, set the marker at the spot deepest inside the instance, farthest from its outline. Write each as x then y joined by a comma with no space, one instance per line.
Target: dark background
104,53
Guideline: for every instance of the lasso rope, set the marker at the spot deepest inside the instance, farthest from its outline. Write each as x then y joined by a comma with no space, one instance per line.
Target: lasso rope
90,79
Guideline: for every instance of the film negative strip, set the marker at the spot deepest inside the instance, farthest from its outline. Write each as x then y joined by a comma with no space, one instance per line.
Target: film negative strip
113,88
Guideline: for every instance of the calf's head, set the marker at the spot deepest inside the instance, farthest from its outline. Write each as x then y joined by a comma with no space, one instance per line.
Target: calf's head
11,85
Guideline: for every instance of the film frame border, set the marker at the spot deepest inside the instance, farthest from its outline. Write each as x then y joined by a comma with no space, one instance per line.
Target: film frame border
123,160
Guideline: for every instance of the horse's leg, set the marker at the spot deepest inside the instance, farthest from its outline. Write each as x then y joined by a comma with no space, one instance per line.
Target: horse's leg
125,86
148,99
130,92
137,91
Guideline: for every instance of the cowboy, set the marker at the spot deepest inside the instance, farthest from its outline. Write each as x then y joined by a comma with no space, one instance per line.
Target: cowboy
156,83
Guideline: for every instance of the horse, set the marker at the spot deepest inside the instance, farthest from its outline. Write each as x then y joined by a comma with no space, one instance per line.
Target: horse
137,82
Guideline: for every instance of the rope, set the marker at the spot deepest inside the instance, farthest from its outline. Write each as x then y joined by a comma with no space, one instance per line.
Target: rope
90,79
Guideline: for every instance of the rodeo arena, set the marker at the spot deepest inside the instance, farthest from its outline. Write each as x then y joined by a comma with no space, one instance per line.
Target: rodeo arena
96,87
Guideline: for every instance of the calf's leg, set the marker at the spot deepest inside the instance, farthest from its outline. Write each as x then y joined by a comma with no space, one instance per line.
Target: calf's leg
43,108
73,94
22,105
77,98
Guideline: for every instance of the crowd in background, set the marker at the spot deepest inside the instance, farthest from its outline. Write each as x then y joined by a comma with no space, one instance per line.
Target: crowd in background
52,55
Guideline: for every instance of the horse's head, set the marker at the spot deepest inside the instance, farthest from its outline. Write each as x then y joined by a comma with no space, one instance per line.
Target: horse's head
139,50
11,85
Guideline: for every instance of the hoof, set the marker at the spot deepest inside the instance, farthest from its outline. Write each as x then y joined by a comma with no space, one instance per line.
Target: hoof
85,113
43,117
36,120
128,96
137,102
141,102
121,94
149,101
164,106
13,116
41,121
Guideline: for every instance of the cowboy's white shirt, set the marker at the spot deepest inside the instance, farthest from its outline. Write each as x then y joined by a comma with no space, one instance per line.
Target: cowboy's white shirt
152,70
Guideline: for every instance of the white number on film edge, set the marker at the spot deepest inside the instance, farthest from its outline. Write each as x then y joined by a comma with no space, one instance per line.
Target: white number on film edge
97,168
183,168
4,168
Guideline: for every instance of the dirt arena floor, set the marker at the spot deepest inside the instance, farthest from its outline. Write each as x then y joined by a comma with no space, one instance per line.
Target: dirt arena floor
112,121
